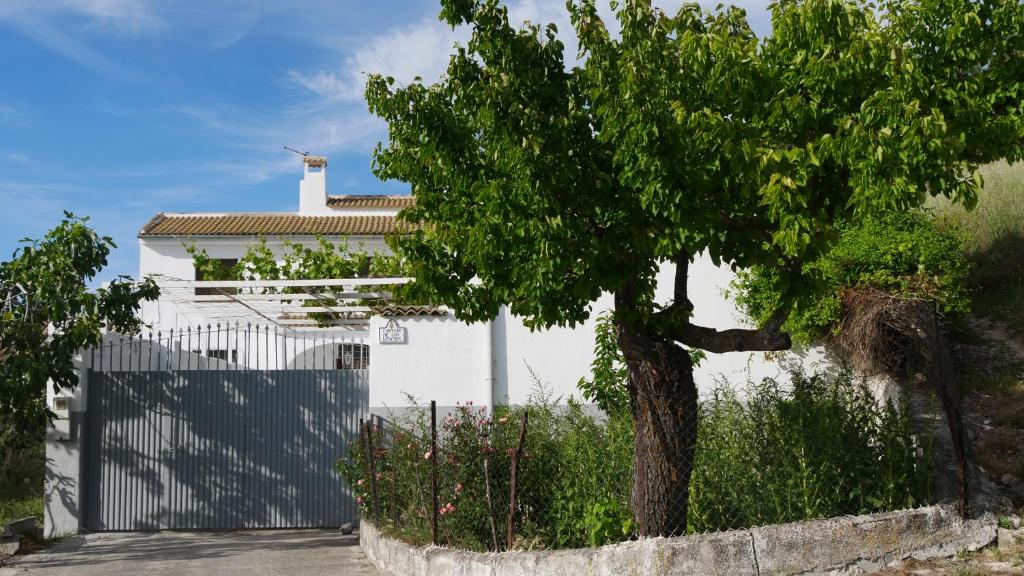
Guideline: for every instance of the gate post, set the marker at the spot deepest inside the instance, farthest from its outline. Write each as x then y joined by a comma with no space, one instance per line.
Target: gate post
63,493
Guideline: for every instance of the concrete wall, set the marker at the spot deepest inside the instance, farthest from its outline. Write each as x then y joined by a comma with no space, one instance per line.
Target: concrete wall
848,545
63,476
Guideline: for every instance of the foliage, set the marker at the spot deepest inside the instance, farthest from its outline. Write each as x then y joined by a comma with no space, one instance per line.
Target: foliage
49,314
22,473
18,509
767,455
824,448
995,242
904,254
606,386
573,477
324,260
541,186
550,185
22,465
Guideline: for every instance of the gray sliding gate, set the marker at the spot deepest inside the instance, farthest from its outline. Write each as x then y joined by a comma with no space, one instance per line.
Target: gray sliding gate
220,449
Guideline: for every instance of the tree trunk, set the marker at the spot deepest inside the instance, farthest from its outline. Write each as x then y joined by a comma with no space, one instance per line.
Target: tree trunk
664,403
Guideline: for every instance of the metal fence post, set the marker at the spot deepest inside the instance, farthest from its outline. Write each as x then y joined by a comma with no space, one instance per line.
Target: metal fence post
512,481
433,472
373,468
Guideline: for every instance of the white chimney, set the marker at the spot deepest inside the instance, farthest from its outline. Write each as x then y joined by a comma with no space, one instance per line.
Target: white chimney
313,186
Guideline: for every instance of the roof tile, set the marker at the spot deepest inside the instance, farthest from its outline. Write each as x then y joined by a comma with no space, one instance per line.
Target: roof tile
268,224
410,310
370,201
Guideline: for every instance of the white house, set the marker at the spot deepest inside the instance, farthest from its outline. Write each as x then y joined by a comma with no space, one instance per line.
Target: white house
163,430
441,358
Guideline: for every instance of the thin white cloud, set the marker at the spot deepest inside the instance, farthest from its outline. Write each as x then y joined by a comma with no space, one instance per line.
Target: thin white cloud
423,49
123,16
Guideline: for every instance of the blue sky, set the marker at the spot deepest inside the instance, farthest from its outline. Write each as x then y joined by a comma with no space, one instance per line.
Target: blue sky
119,109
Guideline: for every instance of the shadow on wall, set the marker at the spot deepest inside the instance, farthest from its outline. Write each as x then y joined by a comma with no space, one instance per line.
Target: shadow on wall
61,487
220,449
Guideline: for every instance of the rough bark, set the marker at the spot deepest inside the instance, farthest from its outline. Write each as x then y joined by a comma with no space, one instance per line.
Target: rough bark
664,403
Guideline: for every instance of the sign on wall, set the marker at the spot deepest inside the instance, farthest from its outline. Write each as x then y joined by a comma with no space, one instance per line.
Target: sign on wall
392,333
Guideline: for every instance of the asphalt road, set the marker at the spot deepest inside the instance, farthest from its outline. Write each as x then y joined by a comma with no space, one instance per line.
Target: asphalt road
249,553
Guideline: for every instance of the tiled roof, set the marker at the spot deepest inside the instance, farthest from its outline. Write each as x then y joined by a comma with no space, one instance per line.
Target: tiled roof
269,224
370,201
399,310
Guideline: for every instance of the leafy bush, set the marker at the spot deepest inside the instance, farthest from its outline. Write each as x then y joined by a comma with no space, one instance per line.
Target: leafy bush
22,467
573,478
905,254
825,448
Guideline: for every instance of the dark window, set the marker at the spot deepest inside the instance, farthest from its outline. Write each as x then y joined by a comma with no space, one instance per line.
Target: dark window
223,355
352,357
225,264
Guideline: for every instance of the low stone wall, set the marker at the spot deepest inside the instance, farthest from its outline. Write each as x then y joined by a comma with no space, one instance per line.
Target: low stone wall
847,545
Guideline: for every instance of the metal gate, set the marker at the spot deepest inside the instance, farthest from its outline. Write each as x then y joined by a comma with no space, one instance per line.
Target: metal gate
211,449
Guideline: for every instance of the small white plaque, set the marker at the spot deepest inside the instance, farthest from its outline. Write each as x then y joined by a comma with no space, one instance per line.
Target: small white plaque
392,333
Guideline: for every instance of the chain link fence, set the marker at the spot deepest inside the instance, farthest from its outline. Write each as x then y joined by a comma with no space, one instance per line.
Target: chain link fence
549,476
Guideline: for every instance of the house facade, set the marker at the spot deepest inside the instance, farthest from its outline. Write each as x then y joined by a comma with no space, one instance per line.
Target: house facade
441,358
234,410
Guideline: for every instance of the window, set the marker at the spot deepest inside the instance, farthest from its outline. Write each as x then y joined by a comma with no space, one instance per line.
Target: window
218,354
225,264
352,357
222,355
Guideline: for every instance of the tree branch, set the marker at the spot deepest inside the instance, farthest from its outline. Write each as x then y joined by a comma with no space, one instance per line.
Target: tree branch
767,339
681,298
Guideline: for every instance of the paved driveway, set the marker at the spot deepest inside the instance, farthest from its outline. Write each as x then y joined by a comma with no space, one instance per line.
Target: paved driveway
255,553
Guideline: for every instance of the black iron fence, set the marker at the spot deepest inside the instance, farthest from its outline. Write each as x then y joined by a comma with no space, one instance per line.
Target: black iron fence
230,347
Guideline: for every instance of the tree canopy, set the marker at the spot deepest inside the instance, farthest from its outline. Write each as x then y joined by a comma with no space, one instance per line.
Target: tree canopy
49,314
684,134
541,186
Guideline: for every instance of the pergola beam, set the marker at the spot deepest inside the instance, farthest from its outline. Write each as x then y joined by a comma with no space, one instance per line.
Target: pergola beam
324,283
205,298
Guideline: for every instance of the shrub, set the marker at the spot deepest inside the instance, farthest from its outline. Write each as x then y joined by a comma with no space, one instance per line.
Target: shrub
904,254
573,478
823,448
22,467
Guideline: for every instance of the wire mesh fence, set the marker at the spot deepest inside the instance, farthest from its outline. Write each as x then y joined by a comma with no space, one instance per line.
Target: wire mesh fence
545,476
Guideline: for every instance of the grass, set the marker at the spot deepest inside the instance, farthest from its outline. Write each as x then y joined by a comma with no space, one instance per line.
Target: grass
21,481
995,243
18,509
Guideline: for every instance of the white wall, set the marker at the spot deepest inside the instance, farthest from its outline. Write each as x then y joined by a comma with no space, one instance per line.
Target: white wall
439,364
442,359
446,360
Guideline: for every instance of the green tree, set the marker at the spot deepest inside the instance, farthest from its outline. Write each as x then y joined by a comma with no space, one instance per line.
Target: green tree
541,186
49,314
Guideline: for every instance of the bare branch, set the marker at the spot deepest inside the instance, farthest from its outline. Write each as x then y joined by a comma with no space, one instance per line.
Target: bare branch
767,339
